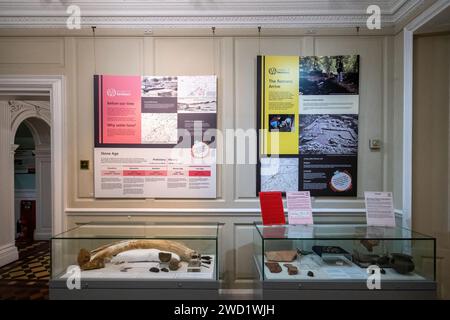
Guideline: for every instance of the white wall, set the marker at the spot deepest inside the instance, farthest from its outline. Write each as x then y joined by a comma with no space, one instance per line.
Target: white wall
431,166
233,59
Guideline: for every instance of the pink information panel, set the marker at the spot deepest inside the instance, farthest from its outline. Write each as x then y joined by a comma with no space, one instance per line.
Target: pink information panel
155,136
119,109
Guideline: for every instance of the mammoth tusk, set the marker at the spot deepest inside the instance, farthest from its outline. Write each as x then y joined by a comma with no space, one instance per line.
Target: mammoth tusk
96,258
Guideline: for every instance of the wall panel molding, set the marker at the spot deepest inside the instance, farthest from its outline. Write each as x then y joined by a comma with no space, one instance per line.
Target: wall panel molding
44,51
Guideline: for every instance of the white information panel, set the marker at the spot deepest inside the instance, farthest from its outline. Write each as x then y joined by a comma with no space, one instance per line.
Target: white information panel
154,173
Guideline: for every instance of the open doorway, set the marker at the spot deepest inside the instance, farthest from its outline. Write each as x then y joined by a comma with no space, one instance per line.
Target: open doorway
32,180
40,102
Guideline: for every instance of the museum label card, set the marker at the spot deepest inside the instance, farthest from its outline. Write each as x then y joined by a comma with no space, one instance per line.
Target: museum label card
379,209
299,207
272,211
300,231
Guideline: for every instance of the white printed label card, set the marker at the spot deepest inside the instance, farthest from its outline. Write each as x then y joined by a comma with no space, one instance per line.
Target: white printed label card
299,207
379,209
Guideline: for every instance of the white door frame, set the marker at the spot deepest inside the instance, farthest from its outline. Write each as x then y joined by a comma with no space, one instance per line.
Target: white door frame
408,45
55,86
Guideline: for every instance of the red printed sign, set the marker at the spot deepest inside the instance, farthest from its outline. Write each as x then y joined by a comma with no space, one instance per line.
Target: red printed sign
272,210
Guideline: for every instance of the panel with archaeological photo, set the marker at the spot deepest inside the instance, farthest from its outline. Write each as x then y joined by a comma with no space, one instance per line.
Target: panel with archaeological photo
159,110
159,128
333,134
281,122
329,75
159,86
197,94
279,174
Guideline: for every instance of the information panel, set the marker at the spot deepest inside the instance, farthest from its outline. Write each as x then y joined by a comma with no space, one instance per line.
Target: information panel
155,136
308,119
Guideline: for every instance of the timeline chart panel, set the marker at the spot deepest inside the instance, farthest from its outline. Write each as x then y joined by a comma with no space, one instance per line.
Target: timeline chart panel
154,173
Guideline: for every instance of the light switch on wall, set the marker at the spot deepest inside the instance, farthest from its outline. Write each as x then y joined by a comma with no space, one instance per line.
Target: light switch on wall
84,164
375,144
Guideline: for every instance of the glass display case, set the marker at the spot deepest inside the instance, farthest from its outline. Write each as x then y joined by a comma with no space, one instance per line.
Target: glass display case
114,260
344,261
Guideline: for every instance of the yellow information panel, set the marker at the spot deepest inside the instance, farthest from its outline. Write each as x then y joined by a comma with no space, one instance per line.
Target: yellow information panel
280,108
307,113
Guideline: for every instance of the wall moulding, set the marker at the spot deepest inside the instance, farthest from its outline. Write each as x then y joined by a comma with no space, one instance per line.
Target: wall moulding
293,14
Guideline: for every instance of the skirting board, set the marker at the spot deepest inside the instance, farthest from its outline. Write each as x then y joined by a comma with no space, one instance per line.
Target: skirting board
8,254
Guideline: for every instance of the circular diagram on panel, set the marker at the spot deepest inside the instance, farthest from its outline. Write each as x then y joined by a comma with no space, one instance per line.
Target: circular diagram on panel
341,181
200,150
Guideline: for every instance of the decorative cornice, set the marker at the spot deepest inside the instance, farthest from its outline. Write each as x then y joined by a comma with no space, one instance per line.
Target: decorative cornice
407,8
196,7
188,13
199,21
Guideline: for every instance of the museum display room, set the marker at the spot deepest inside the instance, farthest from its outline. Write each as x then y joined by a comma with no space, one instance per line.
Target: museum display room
202,150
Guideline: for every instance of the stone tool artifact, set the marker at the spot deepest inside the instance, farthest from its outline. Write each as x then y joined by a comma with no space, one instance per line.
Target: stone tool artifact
274,267
292,270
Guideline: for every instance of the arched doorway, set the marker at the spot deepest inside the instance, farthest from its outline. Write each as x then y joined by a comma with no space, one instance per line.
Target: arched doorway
37,116
32,165
17,94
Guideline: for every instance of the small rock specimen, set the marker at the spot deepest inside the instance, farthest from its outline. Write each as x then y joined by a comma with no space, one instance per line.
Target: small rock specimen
206,257
292,270
402,263
154,269
310,274
124,269
84,256
164,256
174,264
274,267
164,270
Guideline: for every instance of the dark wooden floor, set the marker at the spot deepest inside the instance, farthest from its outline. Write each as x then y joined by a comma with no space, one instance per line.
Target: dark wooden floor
27,278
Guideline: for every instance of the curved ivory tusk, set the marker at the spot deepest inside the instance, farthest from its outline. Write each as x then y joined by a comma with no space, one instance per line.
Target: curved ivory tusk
96,258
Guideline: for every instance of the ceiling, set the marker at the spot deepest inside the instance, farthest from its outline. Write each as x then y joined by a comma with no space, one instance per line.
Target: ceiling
440,23
195,13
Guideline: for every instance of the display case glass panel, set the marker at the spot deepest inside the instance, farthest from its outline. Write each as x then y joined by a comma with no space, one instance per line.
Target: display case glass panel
342,252
134,251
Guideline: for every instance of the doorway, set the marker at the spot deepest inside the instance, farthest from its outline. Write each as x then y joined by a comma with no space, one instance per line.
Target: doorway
32,178
14,111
